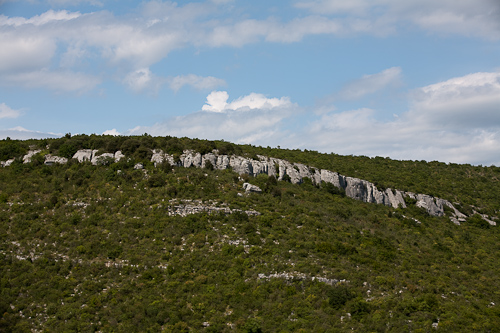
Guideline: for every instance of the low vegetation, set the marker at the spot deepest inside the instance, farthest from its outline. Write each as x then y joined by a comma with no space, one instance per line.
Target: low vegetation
94,248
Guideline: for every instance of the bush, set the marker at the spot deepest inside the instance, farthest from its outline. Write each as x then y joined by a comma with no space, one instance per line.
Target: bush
338,296
156,180
477,221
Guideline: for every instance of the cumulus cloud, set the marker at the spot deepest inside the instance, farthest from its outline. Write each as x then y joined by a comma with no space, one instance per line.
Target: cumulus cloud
59,81
142,79
75,2
20,133
138,41
217,102
37,20
195,81
436,127
457,120
23,52
369,84
7,112
113,132
471,101
248,119
469,18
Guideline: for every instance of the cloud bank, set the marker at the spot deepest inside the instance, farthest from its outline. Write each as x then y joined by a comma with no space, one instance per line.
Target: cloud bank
457,121
7,112
61,41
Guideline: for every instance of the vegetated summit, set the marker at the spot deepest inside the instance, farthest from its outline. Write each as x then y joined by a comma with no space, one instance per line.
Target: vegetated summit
136,234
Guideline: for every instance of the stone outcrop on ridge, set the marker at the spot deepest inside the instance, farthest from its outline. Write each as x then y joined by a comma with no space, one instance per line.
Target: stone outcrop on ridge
249,188
355,188
89,155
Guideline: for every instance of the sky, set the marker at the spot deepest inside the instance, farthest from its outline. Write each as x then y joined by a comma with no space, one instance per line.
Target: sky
409,80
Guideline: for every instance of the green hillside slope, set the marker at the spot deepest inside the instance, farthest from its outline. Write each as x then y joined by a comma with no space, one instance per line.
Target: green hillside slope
103,248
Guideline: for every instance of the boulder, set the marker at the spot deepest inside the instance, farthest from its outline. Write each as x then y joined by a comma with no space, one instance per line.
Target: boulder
433,207
249,188
29,155
52,159
118,155
84,155
102,159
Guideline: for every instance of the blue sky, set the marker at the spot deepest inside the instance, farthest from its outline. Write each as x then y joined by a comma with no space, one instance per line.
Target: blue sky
414,79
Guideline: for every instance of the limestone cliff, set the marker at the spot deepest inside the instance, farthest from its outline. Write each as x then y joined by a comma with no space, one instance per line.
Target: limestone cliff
355,188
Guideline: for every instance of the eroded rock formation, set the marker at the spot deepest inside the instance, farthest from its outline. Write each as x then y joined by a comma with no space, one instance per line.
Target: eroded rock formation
355,188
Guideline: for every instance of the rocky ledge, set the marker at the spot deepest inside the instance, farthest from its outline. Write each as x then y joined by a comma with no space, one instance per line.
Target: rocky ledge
296,173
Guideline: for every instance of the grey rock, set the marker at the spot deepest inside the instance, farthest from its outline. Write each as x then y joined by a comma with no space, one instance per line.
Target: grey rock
29,155
222,162
433,207
355,188
84,155
190,158
249,188
241,165
210,157
159,157
118,155
8,162
102,159
395,200
333,178
52,159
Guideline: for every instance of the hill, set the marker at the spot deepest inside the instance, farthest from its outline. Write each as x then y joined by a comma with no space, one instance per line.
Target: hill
120,247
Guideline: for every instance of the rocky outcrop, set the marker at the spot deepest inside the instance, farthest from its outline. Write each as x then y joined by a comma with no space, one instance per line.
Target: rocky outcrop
29,155
7,163
188,207
249,188
89,155
355,188
53,159
296,173
84,155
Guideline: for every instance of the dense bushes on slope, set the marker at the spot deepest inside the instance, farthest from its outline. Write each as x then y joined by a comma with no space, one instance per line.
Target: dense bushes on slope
87,248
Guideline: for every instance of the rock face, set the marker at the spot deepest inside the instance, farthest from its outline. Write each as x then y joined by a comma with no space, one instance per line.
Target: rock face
249,188
187,207
84,155
355,188
52,159
89,155
29,155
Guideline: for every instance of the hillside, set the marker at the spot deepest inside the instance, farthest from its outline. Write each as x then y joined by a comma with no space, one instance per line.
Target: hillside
116,247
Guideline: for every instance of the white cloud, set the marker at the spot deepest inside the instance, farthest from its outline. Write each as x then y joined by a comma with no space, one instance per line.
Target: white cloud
241,121
436,127
7,112
138,41
142,79
369,84
24,52
75,2
217,102
471,101
113,132
457,120
470,18
197,82
60,81
42,19
20,133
